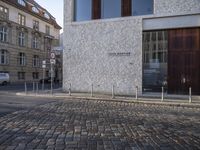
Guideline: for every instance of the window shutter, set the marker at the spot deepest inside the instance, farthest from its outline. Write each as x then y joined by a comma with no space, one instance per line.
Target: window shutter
126,7
96,9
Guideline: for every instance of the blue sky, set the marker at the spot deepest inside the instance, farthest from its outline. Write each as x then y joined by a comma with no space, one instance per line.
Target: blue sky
55,7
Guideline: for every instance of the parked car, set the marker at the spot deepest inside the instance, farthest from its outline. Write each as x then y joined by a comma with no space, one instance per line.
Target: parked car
4,78
48,80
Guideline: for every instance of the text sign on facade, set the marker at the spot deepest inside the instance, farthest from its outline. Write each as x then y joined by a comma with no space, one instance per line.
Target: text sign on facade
120,54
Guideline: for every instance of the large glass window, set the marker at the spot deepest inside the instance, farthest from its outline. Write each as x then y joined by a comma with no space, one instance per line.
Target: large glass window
21,19
36,61
35,43
22,59
3,34
4,57
21,39
47,30
110,8
142,7
155,48
83,10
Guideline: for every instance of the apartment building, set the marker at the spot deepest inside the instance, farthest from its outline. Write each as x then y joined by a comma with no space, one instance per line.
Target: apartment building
28,33
147,44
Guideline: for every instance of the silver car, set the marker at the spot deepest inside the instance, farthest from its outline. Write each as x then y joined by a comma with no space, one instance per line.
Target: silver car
4,78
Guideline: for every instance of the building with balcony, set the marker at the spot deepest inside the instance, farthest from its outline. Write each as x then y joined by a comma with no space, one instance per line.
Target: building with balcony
28,32
129,43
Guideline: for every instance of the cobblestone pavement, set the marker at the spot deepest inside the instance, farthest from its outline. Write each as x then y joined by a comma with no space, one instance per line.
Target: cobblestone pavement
91,125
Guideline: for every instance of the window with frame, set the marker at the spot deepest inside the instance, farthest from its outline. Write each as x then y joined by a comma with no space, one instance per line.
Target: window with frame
35,42
3,12
46,15
21,2
35,75
21,39
4,57
36,25
21,19
100,9
47,30
47,74
34,9
155,51
36,61
22,59
21,75
3,34
48,45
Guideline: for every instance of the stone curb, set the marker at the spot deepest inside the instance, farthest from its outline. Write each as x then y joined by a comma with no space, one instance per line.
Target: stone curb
144,101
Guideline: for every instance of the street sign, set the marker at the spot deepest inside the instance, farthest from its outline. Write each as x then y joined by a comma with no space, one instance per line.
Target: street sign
44,62
53,61
53,55
43,66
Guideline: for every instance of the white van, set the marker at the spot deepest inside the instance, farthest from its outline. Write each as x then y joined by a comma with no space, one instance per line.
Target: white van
4,78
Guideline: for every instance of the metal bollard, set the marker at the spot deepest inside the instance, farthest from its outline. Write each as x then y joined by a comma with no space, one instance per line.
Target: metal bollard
136,93
113,92
162,96
92,90
33,87
70,89
25,88
190,95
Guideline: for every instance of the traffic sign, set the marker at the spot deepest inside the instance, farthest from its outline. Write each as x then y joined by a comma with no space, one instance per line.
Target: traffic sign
44,62
52,61
43,66
53,55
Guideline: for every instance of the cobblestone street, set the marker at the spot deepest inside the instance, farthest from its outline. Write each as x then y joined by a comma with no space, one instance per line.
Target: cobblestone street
101,125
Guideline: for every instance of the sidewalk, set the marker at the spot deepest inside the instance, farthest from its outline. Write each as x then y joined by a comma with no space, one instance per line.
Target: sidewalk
147,98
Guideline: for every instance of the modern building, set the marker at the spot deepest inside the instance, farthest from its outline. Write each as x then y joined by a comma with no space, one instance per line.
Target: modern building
129,43
28,32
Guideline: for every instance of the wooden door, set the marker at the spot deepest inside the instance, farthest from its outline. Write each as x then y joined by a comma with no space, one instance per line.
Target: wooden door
184,61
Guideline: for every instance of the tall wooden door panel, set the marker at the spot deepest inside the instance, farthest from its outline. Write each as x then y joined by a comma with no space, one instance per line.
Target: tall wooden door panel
184,61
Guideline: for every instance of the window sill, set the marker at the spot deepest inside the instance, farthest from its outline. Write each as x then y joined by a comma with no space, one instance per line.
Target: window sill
4,64
21,65
35,48
5,42
22,46
111,19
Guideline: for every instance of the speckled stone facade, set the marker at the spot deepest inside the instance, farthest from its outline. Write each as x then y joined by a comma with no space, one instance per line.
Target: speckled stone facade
109,51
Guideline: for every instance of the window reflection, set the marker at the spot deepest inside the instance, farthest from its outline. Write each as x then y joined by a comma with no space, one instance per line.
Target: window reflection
83,10
110,8
154,60
142,7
